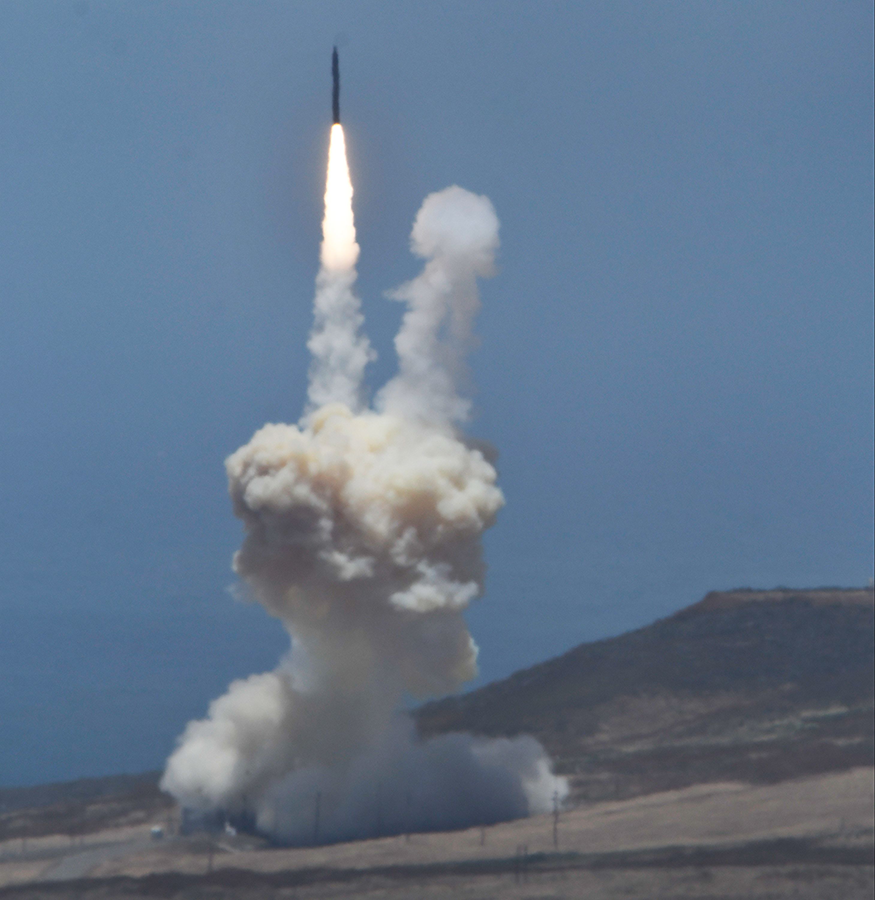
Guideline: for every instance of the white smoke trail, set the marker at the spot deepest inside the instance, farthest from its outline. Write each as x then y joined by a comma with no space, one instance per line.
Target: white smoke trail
457,232
340,351
363,537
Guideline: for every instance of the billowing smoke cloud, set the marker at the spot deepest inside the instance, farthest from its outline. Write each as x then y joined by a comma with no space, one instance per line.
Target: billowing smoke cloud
363,537
457,233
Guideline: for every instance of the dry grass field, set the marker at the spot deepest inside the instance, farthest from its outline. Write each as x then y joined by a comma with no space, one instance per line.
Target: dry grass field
805,838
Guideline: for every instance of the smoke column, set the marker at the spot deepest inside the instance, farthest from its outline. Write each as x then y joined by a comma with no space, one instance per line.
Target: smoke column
363,535
340,351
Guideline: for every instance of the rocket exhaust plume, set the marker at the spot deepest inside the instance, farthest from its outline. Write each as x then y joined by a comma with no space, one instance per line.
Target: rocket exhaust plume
363,535
339,349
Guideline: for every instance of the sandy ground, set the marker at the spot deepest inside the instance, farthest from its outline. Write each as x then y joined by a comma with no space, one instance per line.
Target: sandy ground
731,883
826,806
52,855
834,809
55,844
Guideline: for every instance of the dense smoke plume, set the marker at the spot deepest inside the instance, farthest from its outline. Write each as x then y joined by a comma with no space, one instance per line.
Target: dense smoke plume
363,537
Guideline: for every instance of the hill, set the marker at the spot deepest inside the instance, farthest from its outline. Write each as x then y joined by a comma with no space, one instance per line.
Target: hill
754,686
83,790
757,686
81,807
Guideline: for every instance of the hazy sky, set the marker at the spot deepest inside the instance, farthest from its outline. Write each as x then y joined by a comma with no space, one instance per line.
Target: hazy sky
676,362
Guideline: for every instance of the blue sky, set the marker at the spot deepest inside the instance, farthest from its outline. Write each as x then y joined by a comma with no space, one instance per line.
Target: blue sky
676,362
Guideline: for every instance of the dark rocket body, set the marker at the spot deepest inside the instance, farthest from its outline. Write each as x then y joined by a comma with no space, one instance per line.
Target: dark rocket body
335,91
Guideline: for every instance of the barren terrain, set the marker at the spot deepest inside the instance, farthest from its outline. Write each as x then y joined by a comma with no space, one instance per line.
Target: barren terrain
725,752
811,837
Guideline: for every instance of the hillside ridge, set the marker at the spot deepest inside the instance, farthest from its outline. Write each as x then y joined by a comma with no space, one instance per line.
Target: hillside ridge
748,685
817,596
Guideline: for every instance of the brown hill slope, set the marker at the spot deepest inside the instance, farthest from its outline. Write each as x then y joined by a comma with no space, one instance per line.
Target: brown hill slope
81,807
750,685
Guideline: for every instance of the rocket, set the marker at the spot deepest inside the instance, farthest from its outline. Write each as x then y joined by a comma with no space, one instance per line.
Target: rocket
335,91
